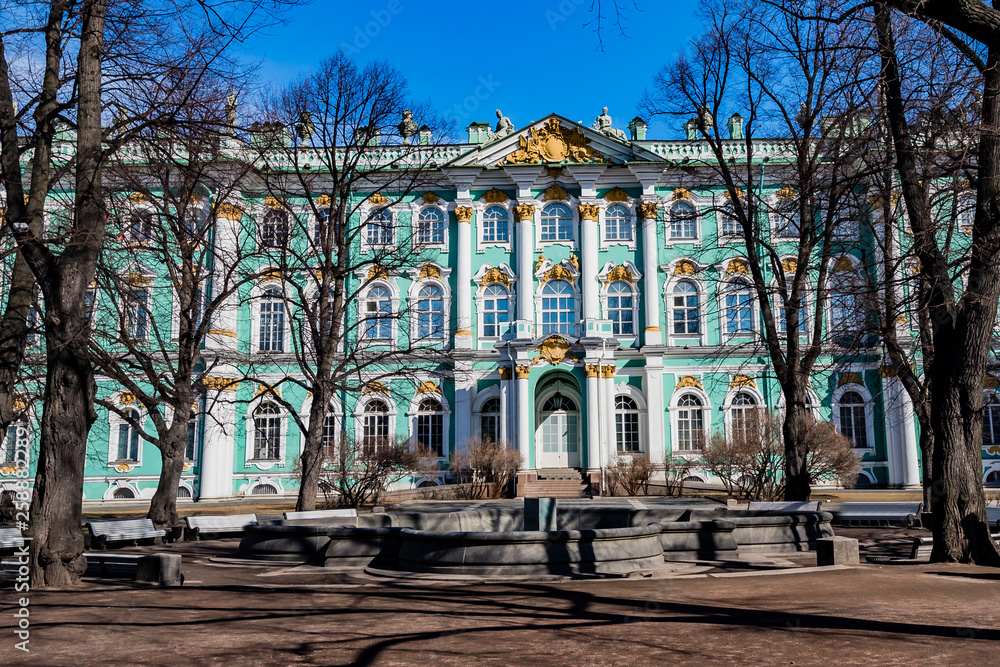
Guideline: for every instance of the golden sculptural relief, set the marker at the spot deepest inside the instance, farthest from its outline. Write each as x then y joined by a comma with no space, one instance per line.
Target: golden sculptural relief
138,280
495,196
524,212
742,381
588,211
127,398
220,384
619,273
430,198
505,372
789,265
592,370
273,202
270,274
555,192
739,193
375,388
429,271
575,261
785,193
850,378
681,193
123,468
522,372
463,332
688,381
323,201
616,194
135,198
843,264
538,264
648,210
554,349
608,372
738,266
428,387
685,267
553,143
377,272
558,272
494,275
378,199
229,212
265,389
463,213
18,404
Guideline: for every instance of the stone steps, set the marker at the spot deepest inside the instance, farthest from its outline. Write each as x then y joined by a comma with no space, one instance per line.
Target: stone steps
555,488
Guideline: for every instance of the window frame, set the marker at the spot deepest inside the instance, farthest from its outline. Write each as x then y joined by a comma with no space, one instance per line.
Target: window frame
573,225
574,313
869,412
481,226
629,222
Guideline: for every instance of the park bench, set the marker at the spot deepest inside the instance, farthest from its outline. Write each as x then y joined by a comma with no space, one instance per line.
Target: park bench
161,569
785,506
122,530
10,539
922,546
993,517
218,524
322,514
878,513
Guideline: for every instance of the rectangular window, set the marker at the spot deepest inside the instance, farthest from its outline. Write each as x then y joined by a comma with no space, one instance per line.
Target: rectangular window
430,432
137,314
738,313
627,431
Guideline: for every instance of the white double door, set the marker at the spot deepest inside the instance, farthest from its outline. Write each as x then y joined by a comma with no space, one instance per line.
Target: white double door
558,436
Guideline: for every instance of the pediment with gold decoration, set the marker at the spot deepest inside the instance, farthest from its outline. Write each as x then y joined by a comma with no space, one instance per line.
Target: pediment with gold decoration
555,350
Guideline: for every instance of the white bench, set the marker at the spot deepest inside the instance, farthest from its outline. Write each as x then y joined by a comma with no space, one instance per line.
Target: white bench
323,514
922,547
878,513
122,530
218,524
10,538
993,517
785,506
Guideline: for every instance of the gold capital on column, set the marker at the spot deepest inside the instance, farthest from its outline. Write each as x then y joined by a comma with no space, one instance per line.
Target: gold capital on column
504,372
463,213
648,209
608,371
588,211
524,212
522,372
592,370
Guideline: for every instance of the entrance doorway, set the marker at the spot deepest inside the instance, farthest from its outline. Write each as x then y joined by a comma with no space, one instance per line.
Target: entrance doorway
558,434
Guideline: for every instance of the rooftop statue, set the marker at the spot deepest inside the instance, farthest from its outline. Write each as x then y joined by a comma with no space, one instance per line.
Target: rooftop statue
603,125
231,101
504,126
407,128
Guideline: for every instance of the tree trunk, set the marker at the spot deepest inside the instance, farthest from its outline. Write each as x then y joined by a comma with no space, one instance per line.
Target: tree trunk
163,506
926,456
793,431
312,452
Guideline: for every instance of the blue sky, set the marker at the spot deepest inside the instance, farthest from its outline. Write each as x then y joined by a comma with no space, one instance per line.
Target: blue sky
468,59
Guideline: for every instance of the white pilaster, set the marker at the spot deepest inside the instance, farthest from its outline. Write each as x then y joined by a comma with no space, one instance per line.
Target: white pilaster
222,330
463,290
525,214
901,435
463,404
522,416
589,244
217,450
595,452
653,335
505,405
655,436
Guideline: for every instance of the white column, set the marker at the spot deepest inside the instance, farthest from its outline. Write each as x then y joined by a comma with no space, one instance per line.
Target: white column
609,443
463,291
463,404
655,440
215,469
595,452
901,434
525,214
522,415
650,273
589,244
505,407
222,332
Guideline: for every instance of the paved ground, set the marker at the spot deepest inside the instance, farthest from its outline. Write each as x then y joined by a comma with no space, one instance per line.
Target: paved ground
258,615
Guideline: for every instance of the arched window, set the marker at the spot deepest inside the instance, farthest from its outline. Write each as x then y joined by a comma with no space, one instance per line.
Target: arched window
965,212
16,439
845,313
378,313
496,225
557,223
991,420
271,334
739,308
430,312
267,432
137,311
558,308
690,423
375,427
853,418
183,492
128,438
489,420
430,425
196,425
787,222
686,309
140,228
496,311
618,223
320,226
992,478
620,308
626,424
430,226
379,230
274,228
123,493
683,221
330,437
741,411
264,490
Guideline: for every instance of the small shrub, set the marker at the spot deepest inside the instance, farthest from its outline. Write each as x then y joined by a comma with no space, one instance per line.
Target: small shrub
629,474
362,470
486,469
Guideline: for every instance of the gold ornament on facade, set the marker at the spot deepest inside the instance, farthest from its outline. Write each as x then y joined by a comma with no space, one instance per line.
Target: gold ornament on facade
688,381
127,398
588,211
378,199
685,267
220,384
738,266
377,272
18,404
9,470
575,261
429,271
850,378
555,192
463,332
789,265
138,280
619,273
135,198
494,196
505,372
229,212
592,370
323,201
901,319
522,372
272,202
430,198
727,195
558,272
742,381
375,388
616,194
648,210
494,275
123,468
266,389
428,387
554,350
553,172
524,212
553,143
270,274
843,264
652,328
681,193
608,372
785,193
538,264
463,213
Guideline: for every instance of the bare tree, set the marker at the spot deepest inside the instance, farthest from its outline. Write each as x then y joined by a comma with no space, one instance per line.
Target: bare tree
354,136
798,83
